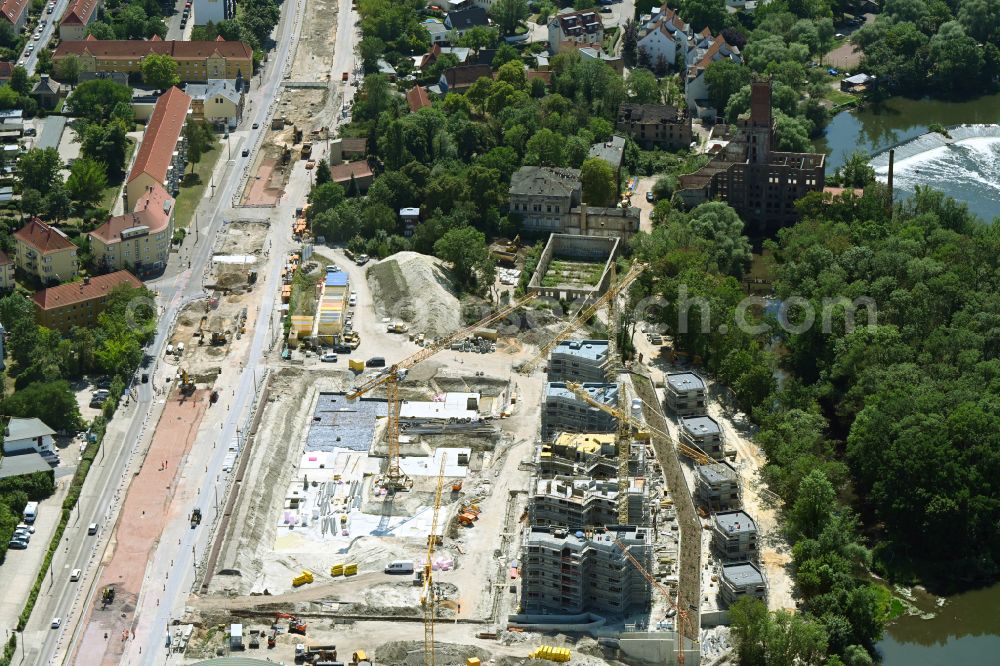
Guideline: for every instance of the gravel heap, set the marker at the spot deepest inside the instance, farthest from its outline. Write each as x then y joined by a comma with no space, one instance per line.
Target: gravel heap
415,288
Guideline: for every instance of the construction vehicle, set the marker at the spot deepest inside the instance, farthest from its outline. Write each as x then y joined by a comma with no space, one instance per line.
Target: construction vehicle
254,639
505,252
187,386
218,339
296,134
272,639
397,327
108,596
358,657
427,598
195,518
690,451
307,149
394,478
583,315
682,613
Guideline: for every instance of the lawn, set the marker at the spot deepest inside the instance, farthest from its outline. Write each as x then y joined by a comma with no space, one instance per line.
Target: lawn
193,187
563,272
839,98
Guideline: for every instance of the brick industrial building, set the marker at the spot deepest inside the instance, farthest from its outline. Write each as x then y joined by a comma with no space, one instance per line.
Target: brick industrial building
762,184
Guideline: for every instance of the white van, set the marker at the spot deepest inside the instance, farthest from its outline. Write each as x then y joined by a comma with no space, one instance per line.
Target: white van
170,350
400,567
180,348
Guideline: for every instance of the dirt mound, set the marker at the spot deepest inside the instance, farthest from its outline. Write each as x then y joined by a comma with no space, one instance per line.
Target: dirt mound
415,288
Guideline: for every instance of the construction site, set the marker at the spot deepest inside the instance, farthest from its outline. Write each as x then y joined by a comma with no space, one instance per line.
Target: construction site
437,507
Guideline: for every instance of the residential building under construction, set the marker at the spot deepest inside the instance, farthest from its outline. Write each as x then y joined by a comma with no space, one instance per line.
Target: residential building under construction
576,571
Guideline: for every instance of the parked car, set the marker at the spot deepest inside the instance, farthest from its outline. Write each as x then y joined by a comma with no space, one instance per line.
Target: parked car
375,362
30,528
17,544
342,349
650,197
328,357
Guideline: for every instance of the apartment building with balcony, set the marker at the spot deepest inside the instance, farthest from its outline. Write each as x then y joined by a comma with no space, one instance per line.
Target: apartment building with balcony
163,152
579,361
588,454
742,579
734,536
78,303
575,571
563,411
45,253
6,273
717,486
138,241
686,394
580,502
705,433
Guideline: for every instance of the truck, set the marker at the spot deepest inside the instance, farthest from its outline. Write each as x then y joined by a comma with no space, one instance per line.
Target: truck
397,327
195,518
30,512
307,149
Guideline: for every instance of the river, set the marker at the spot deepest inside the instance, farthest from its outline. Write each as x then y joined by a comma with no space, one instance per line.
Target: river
967,168
966,628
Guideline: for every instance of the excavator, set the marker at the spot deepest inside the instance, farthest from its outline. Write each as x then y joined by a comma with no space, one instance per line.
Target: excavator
295,625
187,385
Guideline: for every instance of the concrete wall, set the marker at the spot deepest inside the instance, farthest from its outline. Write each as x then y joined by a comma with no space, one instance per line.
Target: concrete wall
581,248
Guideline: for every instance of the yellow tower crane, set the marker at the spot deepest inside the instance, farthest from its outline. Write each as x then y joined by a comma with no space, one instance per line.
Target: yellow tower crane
395,479
689,450
427,593
583,315
682,614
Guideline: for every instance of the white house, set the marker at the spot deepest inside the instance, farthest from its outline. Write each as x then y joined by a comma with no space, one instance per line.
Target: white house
25,435
664,36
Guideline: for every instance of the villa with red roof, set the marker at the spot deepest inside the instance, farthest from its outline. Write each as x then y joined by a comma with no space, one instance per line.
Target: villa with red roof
163,153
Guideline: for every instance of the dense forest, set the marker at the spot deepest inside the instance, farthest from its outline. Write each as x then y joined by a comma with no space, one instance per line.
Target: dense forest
884,432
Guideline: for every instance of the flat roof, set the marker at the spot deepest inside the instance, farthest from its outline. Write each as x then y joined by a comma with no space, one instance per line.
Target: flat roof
606,393
593,350
685,381
735,522
701,425
20,464
717,472
743,573
338,423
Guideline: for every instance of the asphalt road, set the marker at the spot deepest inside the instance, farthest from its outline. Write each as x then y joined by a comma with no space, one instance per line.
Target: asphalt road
98,502
51,25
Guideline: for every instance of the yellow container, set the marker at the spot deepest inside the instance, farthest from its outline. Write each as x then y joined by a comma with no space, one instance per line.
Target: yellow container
337,570
472,661
302,579
350,569
356,366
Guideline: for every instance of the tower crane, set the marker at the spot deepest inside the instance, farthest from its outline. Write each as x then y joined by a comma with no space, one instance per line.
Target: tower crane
689,450
395,479
682,614
583,315
427,593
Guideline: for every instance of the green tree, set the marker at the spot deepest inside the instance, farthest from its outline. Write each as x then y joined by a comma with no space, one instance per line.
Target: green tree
94,100
465,249
598,182
323,172
39,168
513,73
107,144
57,203
159,71
956,59
725,78
86,182
545,148
702,13
856,171
643,87
200,140
67,70
324,197
812,509
19,81
721,229
53,402
791,134
509,13
32,203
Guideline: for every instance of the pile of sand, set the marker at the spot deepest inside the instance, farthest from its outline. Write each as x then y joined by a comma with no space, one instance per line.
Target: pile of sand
415,288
